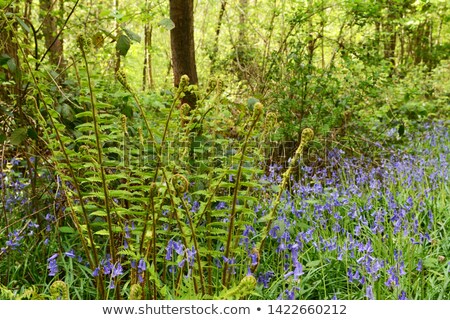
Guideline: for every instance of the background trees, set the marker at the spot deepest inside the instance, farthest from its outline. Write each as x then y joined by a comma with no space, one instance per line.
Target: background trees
182,44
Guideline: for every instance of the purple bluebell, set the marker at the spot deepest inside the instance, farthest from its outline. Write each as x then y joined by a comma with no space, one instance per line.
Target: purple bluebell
369,292
419,265
142,266
127,231
264,278
117,270
70,253
52,265
191,255
402,295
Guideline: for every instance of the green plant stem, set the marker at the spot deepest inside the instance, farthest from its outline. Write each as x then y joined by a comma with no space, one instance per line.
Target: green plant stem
232,216
196,246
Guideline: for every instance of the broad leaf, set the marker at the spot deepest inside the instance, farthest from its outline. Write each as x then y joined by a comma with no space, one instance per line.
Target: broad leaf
123,45
66,229
23,25
133,36
167,24
18,136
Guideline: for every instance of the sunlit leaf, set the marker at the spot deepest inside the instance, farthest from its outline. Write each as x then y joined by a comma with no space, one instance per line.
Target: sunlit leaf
167,24
132,35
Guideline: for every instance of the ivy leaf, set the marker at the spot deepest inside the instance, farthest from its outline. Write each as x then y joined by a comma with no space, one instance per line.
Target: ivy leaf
167,24
123,44
18,136
132,35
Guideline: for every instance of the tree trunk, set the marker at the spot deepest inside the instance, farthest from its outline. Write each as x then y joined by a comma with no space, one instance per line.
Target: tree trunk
118,33
242,43
182,45
49,29
147,80
8,47
215,49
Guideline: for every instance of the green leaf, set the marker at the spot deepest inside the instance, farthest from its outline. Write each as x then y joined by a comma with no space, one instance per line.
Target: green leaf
23,25
123,45
66,112
4,58
313,264
11,63
32,134
102,232
98,213
251,103
66,229
18,136
84,114
2,137
133,36
167,24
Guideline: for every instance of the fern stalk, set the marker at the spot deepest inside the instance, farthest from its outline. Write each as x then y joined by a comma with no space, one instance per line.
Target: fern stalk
112,248
307,136
256,114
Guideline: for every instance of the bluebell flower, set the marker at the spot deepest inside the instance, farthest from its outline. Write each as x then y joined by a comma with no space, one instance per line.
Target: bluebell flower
369,293
254,258
419,265
52,265
117,270
290,294
264,278
273,231
142,266
70,253
221,205
392,279
127,231
191,255
195,206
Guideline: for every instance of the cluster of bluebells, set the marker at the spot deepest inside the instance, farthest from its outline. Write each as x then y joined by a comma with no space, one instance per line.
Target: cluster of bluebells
108,268
17,237
340,209
14,185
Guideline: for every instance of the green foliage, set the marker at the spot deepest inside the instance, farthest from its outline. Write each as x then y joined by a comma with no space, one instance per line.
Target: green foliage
134,195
